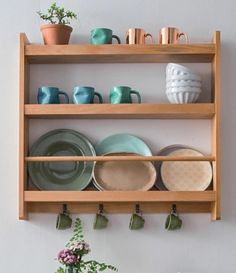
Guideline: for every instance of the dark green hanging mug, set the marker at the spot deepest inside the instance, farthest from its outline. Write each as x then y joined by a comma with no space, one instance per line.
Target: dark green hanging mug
173,221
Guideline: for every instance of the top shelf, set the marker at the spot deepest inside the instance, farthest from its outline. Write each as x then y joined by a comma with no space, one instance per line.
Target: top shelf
77,53
200,53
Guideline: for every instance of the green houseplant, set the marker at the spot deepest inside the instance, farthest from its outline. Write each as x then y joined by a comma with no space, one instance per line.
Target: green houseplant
57,31
72,257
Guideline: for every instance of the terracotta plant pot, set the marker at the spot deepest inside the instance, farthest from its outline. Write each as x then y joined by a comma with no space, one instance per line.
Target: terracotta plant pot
56,34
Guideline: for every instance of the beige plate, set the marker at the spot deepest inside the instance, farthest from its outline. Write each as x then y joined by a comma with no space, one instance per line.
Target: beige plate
186,176
124,175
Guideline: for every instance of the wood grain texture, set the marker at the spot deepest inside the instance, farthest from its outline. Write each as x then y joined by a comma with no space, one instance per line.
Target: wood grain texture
112,111
119,196
120,202
216,122
124,207
116,158
23,126
120,53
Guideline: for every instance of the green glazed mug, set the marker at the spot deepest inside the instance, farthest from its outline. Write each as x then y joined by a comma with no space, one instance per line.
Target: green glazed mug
100,221
122,94
50,95
63,221
100,36
136,222
85,95
173,222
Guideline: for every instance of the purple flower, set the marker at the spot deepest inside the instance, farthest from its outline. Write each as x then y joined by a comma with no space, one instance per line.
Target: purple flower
67,257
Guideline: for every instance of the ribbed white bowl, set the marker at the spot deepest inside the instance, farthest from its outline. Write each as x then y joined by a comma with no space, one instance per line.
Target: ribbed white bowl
192,77
183,89
177,69
182,97
183,84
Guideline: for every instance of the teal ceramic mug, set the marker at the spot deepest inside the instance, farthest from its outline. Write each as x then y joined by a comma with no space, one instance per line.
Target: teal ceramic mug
100,221
63,221
85,95
173,222
122,94
136,221
50,95
101,36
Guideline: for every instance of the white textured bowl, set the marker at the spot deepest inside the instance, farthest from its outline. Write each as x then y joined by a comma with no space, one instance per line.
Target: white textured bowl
177,69
183,89
192,77
182,97
183,84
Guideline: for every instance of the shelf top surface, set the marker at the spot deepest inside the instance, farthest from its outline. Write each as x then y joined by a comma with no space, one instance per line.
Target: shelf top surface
143,110
119,53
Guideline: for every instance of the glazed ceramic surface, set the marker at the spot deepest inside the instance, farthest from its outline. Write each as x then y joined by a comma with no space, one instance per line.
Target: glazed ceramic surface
50,95
122,94
85,95
61,175
102,36
124,175
163,152
123,143
186,176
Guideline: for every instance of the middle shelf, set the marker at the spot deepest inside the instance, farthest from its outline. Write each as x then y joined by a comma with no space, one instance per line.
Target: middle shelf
119,196
124,111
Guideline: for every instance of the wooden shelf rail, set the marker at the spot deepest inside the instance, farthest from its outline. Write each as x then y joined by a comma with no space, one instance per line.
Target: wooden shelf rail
113,111
200,53
118,196
117,158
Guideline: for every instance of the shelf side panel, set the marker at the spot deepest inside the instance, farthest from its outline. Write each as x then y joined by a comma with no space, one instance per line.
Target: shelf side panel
23,126
216,121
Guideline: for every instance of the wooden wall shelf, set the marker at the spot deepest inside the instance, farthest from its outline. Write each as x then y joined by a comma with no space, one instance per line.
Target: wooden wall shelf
124,111
122,202
118,196
197,53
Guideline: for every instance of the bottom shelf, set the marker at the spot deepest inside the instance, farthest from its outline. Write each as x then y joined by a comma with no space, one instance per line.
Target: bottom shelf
119,202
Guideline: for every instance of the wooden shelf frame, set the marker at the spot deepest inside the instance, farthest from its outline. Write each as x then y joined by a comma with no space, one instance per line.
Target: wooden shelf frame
124,111
200,53
119,202
87,201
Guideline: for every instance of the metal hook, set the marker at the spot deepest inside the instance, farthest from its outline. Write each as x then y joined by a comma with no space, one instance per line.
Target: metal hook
101,208
137,209
174,208
64,208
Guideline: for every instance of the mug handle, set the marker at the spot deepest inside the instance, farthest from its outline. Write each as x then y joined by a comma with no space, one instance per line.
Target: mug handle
64,94
185,36
99,97
149,35
127,37
117,38
137,94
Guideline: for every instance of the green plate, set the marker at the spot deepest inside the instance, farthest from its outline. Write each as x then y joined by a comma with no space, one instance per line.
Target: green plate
61,175
123,143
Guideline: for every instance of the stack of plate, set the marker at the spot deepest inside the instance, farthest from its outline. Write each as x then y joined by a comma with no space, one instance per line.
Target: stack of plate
123,175
183,175
61,176
182,85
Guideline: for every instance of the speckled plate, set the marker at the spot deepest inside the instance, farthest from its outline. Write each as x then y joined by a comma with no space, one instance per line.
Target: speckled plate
165,151
61,175
186,175
124,175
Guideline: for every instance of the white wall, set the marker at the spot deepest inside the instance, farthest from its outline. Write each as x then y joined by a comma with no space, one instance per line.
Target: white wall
201,246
